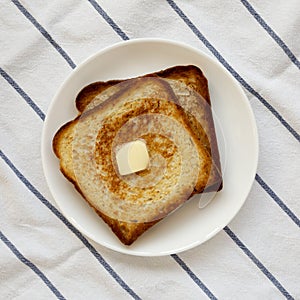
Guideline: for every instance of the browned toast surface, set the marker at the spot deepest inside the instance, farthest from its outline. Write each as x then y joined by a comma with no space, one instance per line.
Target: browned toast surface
109,95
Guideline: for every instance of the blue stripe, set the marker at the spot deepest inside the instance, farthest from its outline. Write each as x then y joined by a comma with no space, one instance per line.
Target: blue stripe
31,265
277,200
271,32
231,70
97,255
40,28
258,263
22,94
183,265
109,20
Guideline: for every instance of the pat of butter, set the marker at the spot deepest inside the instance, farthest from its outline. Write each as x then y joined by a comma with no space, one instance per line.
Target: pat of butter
132,157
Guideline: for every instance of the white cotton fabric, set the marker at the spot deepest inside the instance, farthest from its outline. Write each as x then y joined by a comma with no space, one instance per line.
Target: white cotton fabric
37,67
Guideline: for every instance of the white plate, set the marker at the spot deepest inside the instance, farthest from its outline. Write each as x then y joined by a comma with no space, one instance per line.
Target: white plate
189,226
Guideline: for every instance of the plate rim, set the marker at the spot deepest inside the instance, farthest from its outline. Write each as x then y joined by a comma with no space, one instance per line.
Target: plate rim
109,48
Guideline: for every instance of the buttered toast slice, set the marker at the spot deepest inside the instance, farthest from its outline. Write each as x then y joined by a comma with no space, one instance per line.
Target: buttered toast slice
115,104
145,109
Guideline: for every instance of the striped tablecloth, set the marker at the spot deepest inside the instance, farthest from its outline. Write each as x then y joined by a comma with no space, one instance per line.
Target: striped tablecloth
42,256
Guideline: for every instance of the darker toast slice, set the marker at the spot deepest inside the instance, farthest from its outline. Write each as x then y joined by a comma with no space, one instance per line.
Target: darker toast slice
192,77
